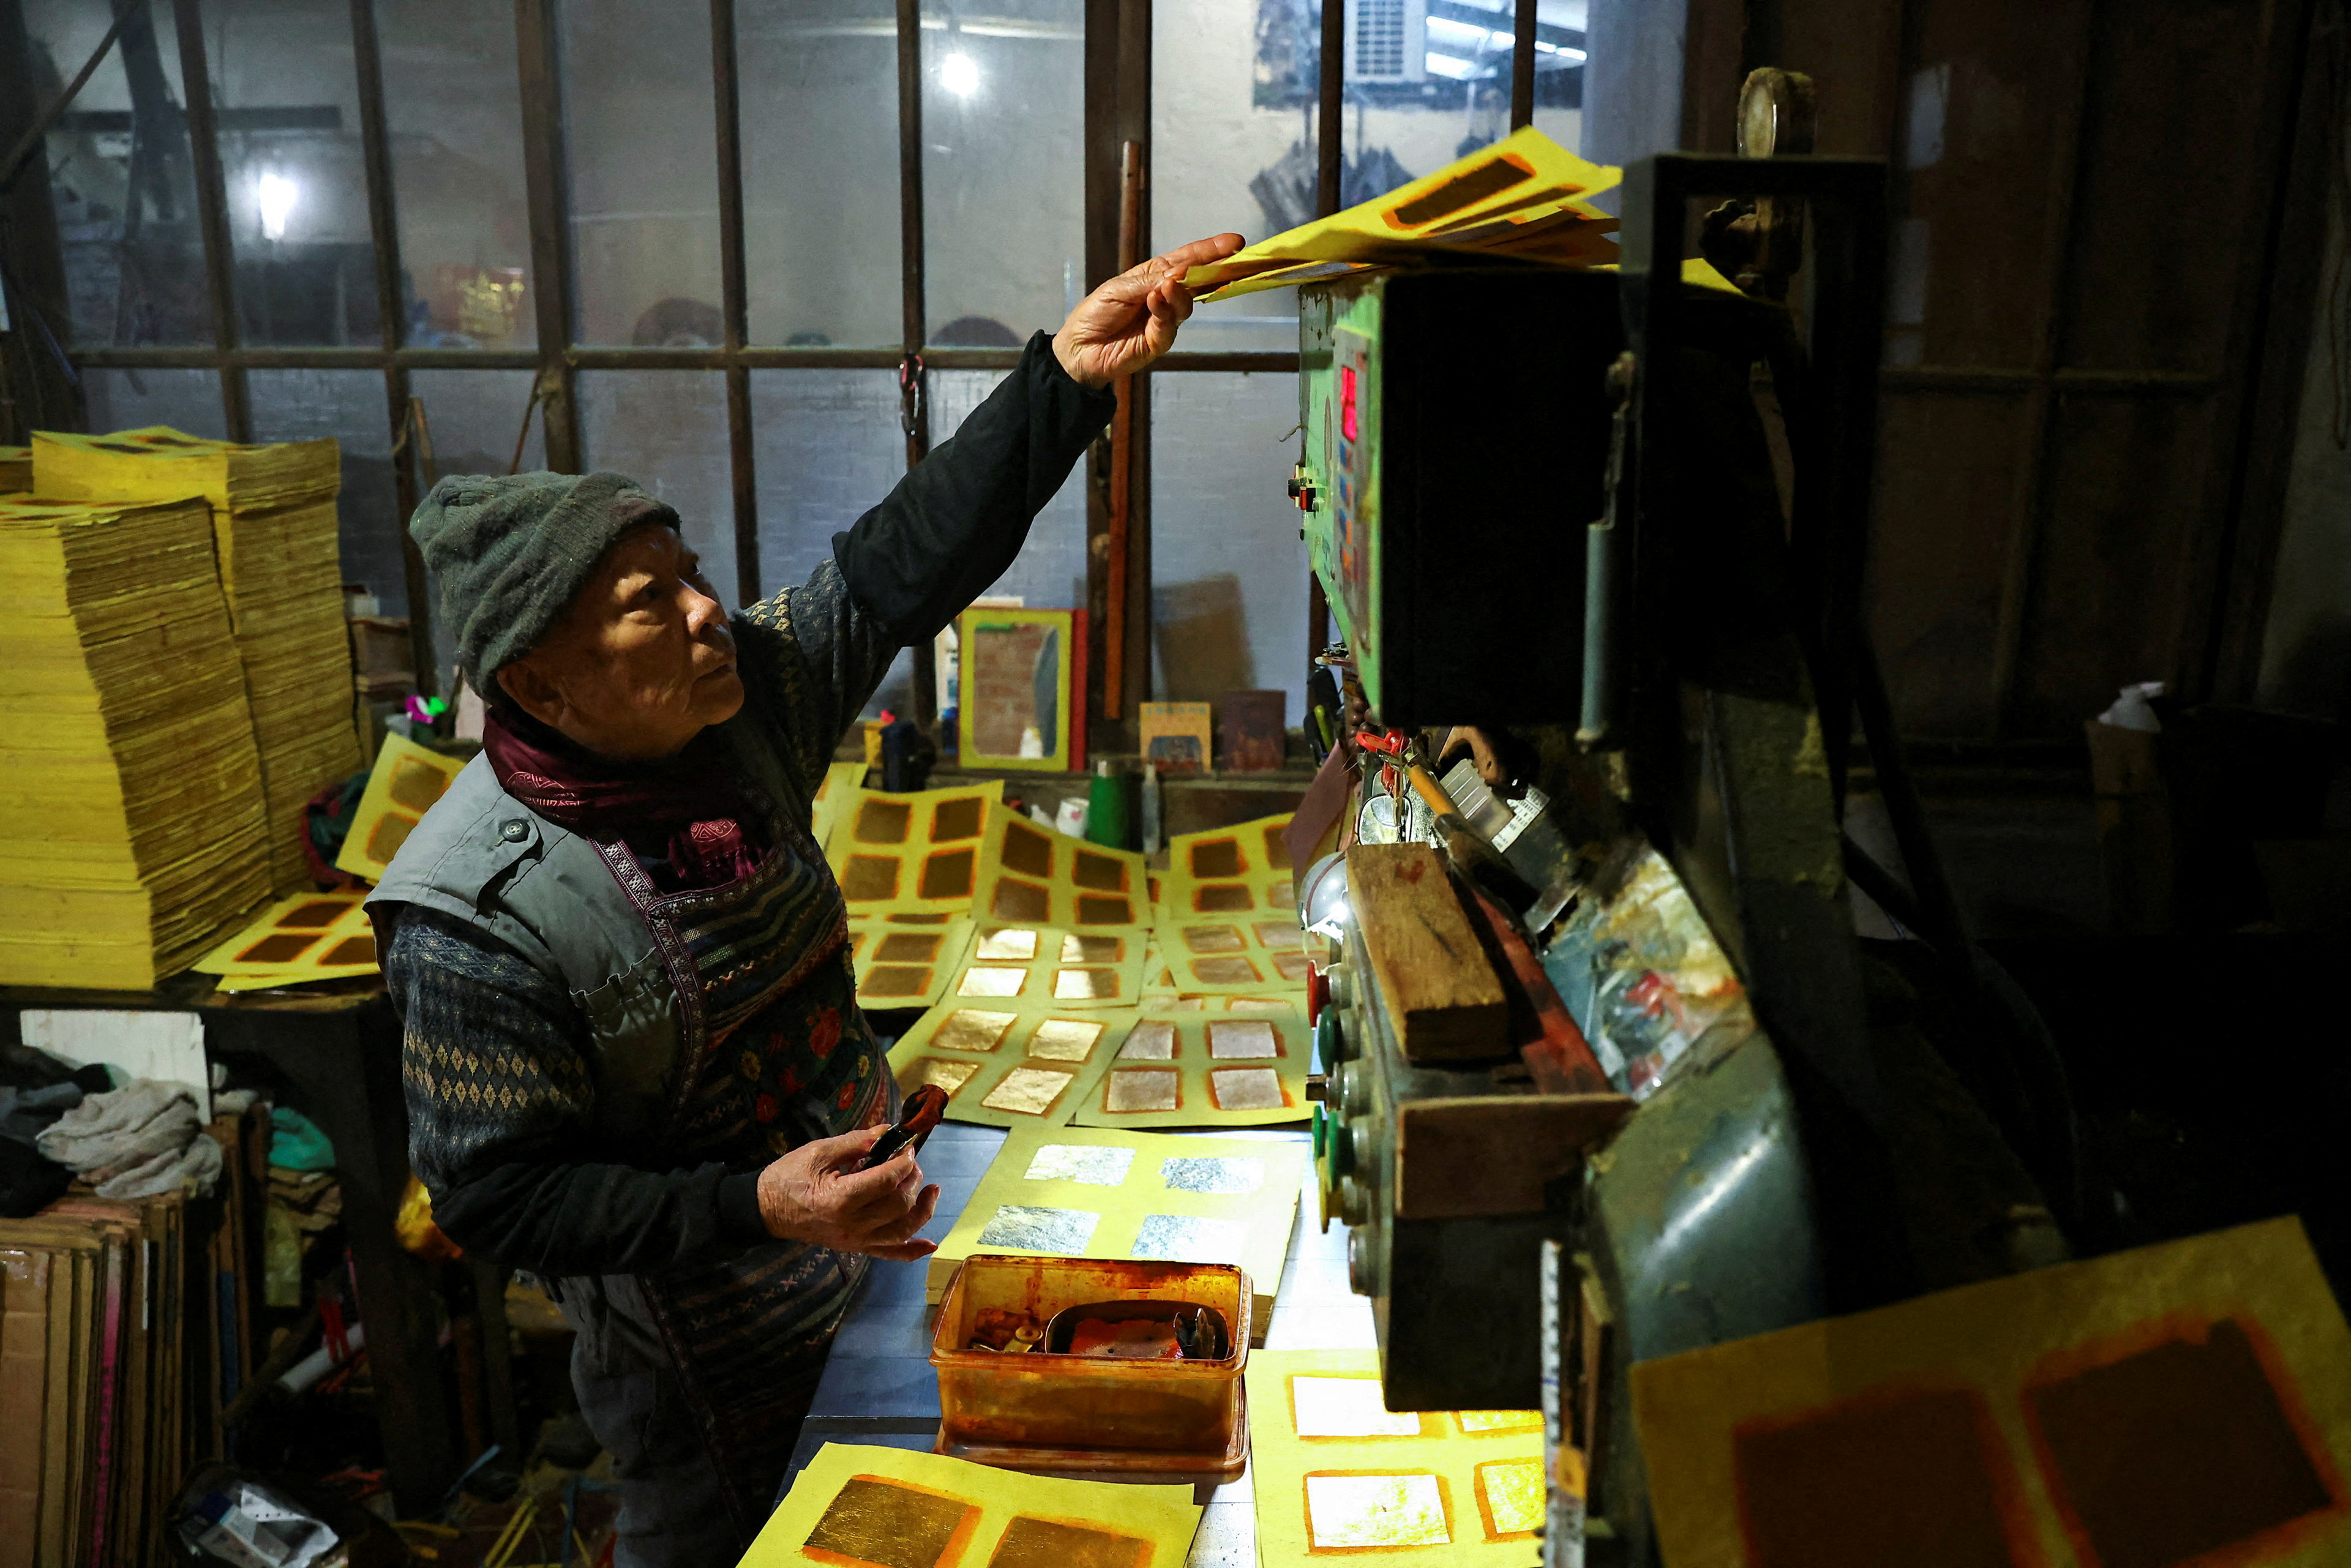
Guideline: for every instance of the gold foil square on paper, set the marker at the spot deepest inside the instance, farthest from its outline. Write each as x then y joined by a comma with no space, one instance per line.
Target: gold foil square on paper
909,948
1343,1511
1152,1039
1064,1040
1028,1228
1043,1543
1241,1040
1511,1497
1081,950
988,980
1279,935
968,1028
1219,1175
1474,1421
1246,1089
1214,938
1085,984
1347,1407
948,1075
1257,1005
1092,1164
1017,943
1236,970
1133,1088
896,980
1028,1090
873,1520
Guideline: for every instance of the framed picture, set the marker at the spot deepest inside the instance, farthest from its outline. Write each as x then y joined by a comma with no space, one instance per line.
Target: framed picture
1014,708
1176,736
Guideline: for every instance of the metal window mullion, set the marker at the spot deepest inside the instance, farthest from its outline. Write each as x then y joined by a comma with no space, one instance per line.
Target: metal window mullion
212,213
550,249
383,224
913,378
1329,86
734,296
1522,67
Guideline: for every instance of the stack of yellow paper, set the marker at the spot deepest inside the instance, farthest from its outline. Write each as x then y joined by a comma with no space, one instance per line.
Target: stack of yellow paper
15,469
280,562
130,822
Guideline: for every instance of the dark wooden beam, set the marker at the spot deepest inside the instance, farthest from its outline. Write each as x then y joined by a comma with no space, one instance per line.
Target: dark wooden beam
1329,108
914,309
1523,65
551,246
212,213
40,392
384,227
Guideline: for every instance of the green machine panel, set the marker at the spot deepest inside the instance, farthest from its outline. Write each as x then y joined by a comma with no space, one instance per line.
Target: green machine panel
1456,441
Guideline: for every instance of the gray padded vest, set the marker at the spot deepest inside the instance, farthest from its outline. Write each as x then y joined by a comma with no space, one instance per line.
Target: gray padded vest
483,857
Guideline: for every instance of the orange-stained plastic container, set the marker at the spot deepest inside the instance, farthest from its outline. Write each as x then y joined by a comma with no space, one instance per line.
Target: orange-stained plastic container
991,1399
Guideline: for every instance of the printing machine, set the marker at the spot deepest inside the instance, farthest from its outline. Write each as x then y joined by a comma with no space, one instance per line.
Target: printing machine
1620,517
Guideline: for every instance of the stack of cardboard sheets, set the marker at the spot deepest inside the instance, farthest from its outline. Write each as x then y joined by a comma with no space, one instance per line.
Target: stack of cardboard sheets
131,803
275,524
95,1422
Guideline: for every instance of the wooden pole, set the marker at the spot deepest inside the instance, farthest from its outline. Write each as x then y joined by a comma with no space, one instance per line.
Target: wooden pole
1121,448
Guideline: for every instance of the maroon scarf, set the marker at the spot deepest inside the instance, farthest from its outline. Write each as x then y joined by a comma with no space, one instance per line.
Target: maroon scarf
685,817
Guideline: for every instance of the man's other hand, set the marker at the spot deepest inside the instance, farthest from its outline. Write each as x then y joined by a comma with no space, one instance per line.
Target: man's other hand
817,1194
1128,322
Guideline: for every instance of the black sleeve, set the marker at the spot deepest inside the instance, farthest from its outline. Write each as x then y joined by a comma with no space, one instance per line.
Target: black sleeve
958,519
494,1068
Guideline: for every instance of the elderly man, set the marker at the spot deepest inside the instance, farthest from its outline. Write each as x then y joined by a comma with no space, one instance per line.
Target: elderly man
633,1058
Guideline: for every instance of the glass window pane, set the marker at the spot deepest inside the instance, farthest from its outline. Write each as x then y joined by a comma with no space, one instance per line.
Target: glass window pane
454,105
187,401
1003,181
121,177
1232,118
302,405
292,167
1049,573
642,156
667,431
819,87
1425,86
828,449
1228,568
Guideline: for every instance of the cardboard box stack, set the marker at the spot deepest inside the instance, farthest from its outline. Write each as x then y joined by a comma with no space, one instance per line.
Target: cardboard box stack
280,562
130,803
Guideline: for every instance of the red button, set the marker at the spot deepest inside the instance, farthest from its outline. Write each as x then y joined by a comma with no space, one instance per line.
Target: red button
1318,994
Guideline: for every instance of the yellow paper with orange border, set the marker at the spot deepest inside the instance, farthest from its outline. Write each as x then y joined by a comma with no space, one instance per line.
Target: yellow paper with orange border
309,936
2189,1399
1337,1473
406,780
860,1507
912,859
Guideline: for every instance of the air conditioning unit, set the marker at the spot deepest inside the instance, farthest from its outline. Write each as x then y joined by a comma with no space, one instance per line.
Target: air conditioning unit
1387,40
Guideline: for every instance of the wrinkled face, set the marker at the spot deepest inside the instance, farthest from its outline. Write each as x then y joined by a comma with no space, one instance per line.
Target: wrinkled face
642,660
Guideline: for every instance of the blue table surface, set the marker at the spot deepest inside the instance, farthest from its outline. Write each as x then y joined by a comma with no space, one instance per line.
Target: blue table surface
878,1387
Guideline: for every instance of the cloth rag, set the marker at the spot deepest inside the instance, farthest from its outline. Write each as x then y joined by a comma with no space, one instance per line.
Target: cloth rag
136,1142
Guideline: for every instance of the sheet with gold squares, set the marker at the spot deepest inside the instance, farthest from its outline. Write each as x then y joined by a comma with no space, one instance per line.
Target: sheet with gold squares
911,859
1243,869
1007,1066
1098,1193
1044,964
906,966
1198,1068
1337,1473
1231,955
309,936
840,786
858,1507
1030,875
405,782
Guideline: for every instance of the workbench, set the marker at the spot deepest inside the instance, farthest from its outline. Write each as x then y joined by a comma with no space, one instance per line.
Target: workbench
879,1388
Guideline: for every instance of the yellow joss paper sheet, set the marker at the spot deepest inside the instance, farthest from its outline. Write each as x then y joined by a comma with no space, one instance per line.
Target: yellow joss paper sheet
910,859
407,778
2174,1404
1241,869
1076,1193
1523,196
1201,1066
858,1507
1338,1473
309,937
1004,1065
1043,966
840,784
1028,874
906,966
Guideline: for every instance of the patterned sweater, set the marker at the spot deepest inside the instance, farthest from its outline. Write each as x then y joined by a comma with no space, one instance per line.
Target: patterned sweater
496,1080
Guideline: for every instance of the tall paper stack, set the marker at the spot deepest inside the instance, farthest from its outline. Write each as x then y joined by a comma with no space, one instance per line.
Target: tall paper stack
280,560
130,820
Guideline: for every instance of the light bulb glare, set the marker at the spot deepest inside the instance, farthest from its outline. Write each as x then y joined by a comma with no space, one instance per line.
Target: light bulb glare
959,76
276,196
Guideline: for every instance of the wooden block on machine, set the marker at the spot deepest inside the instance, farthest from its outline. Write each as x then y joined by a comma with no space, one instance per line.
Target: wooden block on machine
1432,972
1493,1154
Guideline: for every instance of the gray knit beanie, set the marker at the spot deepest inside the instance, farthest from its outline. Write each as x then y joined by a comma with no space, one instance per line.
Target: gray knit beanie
511,550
